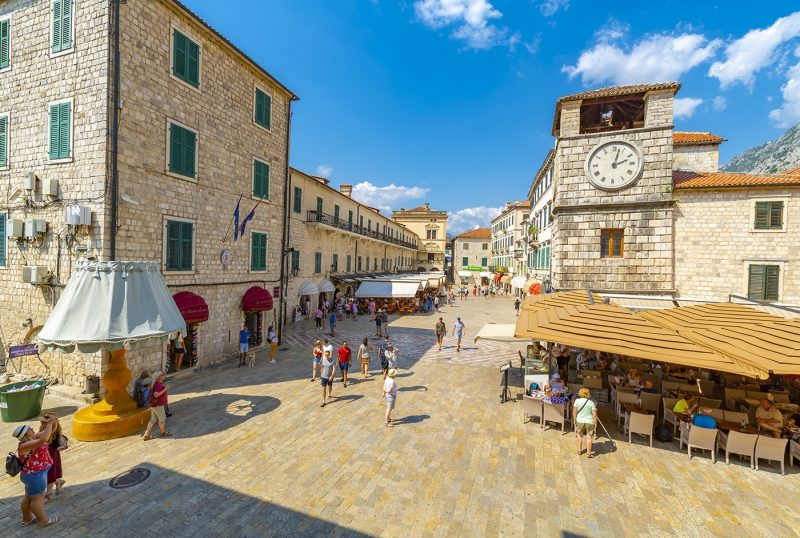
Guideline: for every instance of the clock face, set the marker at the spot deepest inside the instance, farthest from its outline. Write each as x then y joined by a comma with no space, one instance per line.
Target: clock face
614,165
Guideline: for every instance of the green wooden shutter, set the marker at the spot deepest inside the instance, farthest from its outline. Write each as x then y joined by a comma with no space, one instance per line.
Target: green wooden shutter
3,141
263,109
762,216
66,24
186,246
258,252
54,111
771,282
776,215
192,63
3,218
173,245
175,149
179,54
189,148
5,44
298,200
56,37
317,262
756,279
260,179
64,127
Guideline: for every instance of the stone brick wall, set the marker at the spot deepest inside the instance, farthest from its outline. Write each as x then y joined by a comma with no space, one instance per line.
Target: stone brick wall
699,158
36,79
659,108
570,122
715,242
474,253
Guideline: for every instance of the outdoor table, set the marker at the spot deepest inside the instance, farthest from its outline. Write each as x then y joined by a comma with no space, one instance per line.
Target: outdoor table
635,408
728,425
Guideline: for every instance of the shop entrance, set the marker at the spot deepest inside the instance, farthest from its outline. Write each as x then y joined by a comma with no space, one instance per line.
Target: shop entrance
182,353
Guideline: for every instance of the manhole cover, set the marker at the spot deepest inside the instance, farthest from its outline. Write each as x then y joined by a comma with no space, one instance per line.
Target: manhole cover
129,478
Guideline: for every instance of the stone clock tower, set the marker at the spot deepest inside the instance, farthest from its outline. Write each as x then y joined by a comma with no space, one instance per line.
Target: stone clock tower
613,209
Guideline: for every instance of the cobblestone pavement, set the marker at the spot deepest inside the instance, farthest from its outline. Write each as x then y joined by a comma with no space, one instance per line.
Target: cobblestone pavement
254,455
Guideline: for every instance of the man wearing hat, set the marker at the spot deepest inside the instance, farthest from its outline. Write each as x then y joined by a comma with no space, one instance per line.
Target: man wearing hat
32,452
390,392
557,385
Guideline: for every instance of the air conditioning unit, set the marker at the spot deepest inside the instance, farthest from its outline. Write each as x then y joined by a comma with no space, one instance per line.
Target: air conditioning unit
15,228
50,187
35,227
78,215
35,274
29,181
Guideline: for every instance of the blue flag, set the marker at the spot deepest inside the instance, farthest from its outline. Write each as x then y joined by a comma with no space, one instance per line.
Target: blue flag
236,220
248,218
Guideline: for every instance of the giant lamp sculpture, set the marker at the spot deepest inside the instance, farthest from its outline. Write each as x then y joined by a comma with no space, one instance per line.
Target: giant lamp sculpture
112,306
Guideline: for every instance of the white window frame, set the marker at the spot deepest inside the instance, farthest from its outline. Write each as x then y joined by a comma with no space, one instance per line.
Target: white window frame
256,86
196,152
50,32
7,115
253,179
784,218
165,241
71,101
250,254
193,37
11,40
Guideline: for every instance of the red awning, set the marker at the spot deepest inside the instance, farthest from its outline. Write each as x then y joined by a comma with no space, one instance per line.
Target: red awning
498,276
256,299
535,289
193,307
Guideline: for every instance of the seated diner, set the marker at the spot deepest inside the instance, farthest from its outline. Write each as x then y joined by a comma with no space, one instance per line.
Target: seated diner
687,404
769,419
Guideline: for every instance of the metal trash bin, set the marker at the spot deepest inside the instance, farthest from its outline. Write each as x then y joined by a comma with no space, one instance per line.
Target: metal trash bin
92,385
17,405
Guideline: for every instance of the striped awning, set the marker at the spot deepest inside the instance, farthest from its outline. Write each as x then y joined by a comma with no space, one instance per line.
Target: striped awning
561,298
708,315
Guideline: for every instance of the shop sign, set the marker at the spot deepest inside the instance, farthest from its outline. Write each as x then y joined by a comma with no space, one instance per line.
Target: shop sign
276,292
22,351
474,268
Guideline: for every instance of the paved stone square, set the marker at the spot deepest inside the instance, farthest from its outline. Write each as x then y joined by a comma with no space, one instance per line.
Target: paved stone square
253,454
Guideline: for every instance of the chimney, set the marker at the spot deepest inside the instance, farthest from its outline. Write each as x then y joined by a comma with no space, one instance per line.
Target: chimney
346,189
508,204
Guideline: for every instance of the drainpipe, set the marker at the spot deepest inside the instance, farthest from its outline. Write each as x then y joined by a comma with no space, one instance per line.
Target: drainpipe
115,137
284,277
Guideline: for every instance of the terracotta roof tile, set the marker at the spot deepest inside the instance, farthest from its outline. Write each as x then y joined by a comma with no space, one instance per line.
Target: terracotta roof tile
613,91
680,137
477,233
715,180
791,171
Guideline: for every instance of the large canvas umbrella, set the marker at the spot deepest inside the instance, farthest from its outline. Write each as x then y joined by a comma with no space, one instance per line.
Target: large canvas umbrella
112,306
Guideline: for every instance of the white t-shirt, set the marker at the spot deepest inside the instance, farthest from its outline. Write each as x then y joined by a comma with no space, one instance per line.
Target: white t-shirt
390,387
391,358
328,348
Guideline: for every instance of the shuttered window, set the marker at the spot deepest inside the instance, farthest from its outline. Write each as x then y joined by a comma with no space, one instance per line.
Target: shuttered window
3,218
260,179
334,263
258,251
60,130
298,200
336,213
349,263
3,141
349,220
295,260
464,261
185,59
5,43
319,205
62,25
179,245
182,150
318,262
263,109
764,282
769,216
611,243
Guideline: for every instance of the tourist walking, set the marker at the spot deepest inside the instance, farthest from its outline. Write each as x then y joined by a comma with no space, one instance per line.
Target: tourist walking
178,351
391,358
35,458
55,444
332,322
363,358
371,309
158,399
378,322
316,363
318,319
390,392
385,322
345,359
441,331
326,378
308,308
458,332
244,344
384,347
584,416
355,310
516,306
272,339
141,388
436,304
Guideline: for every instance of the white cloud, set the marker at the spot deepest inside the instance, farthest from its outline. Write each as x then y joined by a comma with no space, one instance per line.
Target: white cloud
470,218
471,20
324,170
386,198
719,103
656,58
612,30
789,112
754,51
551,7
684,107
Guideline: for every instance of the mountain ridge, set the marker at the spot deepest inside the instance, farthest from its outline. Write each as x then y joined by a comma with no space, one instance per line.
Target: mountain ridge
771,157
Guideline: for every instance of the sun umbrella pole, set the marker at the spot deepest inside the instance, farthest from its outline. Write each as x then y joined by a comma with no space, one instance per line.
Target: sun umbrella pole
117,401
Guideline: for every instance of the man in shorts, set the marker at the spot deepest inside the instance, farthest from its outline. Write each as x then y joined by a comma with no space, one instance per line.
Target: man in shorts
441,331
345,358
326,378
244,344
332,321
584,416
458,332
378,323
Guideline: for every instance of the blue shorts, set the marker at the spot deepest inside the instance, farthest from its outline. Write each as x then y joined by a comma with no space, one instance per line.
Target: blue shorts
243,347
324,381
35,483
344,366
317,360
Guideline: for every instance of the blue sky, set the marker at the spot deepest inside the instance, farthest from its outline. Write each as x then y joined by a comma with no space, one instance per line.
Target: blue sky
451,101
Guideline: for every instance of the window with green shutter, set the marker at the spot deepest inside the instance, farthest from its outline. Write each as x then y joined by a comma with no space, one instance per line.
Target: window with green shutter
336,213
185,59
62,25
349,263
484,262
3,218
319,205
5,43
295,263
349,220
258,251
182,150
263,109
764,282
334,263
260,179
179,245
464,261
318,262
769,216
298,200
60,130
3,141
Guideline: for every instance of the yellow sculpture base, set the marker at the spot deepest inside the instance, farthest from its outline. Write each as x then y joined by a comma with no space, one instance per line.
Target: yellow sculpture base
88,425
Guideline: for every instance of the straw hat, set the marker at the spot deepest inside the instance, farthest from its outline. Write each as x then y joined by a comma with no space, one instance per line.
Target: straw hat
392,372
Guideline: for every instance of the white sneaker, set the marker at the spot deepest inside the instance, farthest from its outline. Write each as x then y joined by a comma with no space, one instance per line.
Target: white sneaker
273,360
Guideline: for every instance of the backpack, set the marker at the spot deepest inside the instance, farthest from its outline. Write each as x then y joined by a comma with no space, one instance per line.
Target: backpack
13,464
663,433
152,401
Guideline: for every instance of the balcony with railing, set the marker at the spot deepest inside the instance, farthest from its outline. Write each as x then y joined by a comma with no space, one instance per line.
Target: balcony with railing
315,217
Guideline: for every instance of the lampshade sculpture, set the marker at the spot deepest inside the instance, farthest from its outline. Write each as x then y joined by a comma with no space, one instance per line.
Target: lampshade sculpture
112,306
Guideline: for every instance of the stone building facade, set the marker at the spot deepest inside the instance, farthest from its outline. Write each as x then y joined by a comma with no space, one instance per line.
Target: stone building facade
472,254
430,226
184,163
332,236
538,240
697,152
509,230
